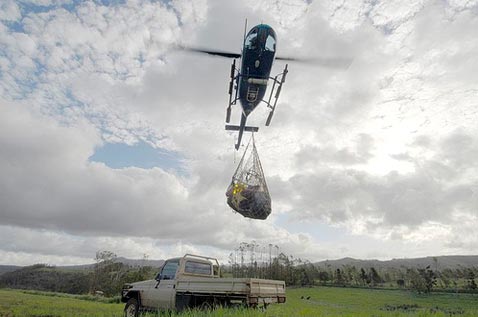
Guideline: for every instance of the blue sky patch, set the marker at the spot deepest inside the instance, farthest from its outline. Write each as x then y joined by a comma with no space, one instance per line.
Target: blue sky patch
27,7
142,155
15,26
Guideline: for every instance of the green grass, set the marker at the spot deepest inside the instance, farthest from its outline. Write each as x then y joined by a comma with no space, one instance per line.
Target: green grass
323,301
332,301
102,299
14,303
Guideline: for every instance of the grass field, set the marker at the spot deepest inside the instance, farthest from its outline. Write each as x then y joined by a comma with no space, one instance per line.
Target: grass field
323,301
16,303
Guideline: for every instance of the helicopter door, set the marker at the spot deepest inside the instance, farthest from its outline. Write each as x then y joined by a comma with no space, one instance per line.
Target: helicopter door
270,43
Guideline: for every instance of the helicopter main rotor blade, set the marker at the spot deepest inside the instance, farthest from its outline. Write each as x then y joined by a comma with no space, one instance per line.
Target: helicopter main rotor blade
211,52
329,62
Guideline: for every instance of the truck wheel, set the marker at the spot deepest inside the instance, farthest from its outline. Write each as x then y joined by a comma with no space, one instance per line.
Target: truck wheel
206,306
132,308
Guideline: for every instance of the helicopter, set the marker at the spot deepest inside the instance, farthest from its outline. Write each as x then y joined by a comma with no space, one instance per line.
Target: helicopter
248,84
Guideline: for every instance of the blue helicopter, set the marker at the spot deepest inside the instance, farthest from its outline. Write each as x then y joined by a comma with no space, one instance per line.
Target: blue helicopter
248,84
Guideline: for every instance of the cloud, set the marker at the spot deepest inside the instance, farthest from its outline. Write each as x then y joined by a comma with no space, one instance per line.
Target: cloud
383,149
9,11
436,191
45,160
49,185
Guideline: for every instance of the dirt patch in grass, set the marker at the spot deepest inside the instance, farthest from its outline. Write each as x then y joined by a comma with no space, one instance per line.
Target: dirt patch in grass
448,311
401,307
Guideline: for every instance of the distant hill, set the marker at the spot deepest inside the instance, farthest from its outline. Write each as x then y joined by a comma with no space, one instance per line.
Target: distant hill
46,278
130,262
139,263
79,279
8,268
442,262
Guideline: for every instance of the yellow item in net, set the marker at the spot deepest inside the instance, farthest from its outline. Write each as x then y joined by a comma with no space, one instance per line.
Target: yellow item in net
238,188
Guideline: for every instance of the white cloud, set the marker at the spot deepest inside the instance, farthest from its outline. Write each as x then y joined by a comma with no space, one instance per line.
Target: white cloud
89,199
9,11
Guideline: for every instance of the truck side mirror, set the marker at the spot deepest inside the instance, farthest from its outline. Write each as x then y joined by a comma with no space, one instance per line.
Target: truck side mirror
158,279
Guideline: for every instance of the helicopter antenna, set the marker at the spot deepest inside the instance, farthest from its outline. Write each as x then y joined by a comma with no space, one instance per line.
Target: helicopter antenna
245,30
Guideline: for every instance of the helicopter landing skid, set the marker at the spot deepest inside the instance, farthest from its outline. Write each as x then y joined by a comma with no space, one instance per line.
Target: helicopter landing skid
232,89
279,83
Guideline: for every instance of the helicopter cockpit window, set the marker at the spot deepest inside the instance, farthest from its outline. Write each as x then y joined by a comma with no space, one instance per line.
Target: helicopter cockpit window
251,40
270,43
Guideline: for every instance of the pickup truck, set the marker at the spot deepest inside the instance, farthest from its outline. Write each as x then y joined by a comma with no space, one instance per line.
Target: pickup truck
194,281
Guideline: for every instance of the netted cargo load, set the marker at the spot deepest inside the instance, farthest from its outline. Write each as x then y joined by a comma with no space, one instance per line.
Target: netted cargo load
248,193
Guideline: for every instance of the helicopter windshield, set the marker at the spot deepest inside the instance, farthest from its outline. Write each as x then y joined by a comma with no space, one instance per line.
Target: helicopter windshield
251,40
270,43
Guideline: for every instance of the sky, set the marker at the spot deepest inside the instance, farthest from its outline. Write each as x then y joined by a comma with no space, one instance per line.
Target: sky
113,139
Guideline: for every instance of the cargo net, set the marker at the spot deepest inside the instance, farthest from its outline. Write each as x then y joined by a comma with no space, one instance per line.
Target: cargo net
248,193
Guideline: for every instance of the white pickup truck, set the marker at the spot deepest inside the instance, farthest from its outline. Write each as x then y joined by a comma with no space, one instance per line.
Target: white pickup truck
194,282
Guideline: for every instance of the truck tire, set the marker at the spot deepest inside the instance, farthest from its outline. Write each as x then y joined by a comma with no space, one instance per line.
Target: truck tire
131,309
206,306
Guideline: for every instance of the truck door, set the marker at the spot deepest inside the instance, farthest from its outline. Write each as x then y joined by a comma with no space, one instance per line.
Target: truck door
161,296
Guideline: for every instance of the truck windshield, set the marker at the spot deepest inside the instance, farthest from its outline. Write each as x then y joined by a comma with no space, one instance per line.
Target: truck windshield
197,268
169,270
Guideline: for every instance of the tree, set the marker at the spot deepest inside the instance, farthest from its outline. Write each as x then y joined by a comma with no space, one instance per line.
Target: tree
109,274
323,277
303,277
401,283
339,279
422,280
375,277
416,281
348,274
430,278
471,281
364,277
435,260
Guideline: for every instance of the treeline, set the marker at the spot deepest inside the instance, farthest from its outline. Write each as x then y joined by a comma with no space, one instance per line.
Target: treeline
106,277
422,280
253,260
43,277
